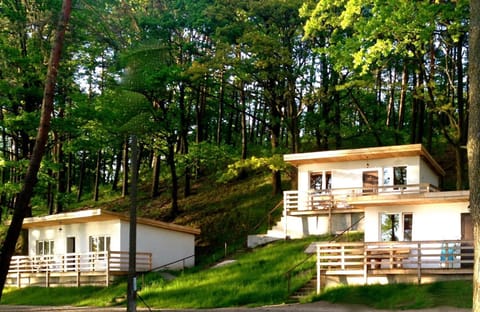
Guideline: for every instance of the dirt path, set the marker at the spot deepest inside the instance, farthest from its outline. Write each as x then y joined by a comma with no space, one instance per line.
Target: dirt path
310,307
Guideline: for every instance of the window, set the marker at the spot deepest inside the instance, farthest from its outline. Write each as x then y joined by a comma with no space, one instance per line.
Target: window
400,175
407,226
396,226
321,181
45,247
99,243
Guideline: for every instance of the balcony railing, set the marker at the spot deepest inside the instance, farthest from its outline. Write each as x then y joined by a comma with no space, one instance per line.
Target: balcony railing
112,261
402,258
340,197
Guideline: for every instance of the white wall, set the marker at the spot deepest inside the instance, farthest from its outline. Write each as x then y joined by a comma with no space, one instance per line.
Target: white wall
81,232
349,174
165,245
430,221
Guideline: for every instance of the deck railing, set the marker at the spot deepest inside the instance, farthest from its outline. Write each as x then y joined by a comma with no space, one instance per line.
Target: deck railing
339,197
374,258
112,261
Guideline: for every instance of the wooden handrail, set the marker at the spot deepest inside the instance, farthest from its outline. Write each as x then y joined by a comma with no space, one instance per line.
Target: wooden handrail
76,262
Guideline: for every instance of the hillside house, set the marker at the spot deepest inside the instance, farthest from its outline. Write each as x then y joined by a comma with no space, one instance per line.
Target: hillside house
391,194
91,246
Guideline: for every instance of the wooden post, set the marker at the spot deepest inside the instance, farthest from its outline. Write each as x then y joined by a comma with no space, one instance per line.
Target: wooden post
107,272
318,271
19,276
47,278
365,265
419,263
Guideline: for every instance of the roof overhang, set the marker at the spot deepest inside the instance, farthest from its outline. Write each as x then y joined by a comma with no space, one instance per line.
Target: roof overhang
364,154
412,199
98,215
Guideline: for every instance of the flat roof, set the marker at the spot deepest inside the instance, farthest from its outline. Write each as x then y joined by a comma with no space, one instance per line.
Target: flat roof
364,154
95,215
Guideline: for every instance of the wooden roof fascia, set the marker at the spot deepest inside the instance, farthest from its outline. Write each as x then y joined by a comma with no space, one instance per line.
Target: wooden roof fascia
95,215
364,154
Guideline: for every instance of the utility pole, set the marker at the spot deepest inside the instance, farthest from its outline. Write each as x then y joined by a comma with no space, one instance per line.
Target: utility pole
132,252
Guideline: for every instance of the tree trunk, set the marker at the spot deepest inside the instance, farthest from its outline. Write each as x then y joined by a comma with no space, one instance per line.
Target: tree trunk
98,173
243,107
173,173
154,192
118,166
474,142
81,178
125,168
23,199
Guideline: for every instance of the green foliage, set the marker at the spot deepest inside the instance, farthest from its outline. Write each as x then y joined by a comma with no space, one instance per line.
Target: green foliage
243,168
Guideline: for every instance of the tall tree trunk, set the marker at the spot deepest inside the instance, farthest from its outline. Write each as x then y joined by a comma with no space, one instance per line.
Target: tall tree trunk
81,178
118,167
23,199
155,192
221,99
243,118
173,174
125,168
474,142
401,103
98,174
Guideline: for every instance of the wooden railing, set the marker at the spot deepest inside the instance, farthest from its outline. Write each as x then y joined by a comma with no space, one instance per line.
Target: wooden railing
339,197
373,258
113,261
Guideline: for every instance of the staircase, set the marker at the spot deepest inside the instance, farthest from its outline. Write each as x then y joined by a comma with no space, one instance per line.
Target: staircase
276,233
309,288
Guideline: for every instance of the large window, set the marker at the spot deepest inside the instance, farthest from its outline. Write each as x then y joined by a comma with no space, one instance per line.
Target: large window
45,247
320,181
99,243
396,226
400,175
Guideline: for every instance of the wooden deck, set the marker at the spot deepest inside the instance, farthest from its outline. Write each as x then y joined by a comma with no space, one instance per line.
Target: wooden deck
382,262
75,269
346,200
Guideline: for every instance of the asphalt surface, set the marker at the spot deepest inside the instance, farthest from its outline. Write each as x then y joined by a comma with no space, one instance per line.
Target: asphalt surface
310,307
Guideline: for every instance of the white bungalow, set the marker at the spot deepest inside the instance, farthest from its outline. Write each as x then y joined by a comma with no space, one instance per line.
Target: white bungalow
96,242
391,194
395,188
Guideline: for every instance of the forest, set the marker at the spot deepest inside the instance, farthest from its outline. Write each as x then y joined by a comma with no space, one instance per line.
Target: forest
207,85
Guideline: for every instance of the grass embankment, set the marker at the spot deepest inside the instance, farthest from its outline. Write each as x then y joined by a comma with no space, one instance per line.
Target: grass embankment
456,294
255,278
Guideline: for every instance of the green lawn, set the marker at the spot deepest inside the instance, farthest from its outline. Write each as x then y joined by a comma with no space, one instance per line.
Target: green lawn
256,278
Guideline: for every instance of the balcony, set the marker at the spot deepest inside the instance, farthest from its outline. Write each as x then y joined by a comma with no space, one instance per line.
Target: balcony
74,269
350,199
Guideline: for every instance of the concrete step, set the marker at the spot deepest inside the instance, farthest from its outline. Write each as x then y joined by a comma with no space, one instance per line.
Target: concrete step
261,239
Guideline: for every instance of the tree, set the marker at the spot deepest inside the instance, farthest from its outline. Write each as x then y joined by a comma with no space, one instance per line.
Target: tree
474,141
26,193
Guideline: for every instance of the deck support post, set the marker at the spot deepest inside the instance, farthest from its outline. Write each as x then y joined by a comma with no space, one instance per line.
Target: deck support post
365,266
19,276
319,286
419,263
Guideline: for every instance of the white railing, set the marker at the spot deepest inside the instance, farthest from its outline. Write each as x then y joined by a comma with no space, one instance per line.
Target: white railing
113,261
373,258
339,197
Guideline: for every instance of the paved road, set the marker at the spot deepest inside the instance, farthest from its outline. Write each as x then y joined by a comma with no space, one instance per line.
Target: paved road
310,307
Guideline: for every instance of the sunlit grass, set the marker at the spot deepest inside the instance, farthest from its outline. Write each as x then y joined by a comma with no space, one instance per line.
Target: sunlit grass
403,296
254,278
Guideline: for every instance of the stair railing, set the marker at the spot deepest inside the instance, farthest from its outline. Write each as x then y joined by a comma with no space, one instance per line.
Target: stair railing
290,272
268,217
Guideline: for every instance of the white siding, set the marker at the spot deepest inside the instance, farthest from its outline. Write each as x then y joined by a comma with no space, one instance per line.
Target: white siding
81,232
430,222
165,245
349,174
